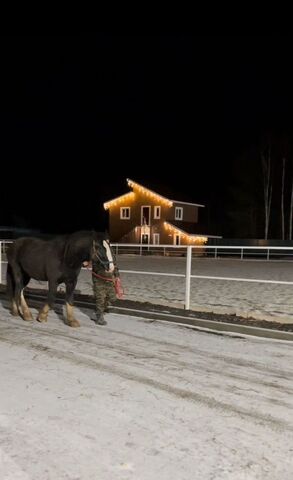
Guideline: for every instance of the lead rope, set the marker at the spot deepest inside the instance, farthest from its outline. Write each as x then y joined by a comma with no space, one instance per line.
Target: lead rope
119,290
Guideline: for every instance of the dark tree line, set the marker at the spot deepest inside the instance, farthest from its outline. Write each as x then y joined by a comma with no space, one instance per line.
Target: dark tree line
259,200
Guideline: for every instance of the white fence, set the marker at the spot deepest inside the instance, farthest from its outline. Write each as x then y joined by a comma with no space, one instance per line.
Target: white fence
215,251
188,252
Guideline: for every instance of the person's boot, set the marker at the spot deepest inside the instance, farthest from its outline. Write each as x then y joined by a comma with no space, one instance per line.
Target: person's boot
98,318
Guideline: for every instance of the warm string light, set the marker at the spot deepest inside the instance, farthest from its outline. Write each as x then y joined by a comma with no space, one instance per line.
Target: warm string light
142,190
149,193
191,238
118,200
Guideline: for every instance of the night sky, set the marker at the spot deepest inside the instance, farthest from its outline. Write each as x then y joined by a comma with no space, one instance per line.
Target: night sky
80,114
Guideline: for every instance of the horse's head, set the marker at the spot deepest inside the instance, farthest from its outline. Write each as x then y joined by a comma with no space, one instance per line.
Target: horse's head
88,245
102,252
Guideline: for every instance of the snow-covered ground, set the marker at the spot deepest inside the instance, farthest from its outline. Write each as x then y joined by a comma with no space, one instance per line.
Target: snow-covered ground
141,400
257,300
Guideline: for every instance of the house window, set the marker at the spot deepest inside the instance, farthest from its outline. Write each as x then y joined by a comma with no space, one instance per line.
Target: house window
157,212
125,213
178,213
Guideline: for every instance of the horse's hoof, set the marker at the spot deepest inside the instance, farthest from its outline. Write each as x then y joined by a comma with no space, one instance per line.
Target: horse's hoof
74,323
14,313
42,318
28,318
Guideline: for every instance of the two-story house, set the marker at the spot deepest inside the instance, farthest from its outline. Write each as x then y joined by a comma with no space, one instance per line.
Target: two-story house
144,216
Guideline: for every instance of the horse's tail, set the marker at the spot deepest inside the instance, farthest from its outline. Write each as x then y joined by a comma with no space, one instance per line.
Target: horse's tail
11,279
10,282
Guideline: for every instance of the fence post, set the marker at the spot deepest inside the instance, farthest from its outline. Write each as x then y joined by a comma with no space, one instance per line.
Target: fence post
0,262
116,249
241,253
216,252
268,254
187,278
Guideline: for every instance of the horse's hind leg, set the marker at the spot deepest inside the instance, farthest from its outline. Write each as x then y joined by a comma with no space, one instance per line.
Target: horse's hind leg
26,313
16,281
43,313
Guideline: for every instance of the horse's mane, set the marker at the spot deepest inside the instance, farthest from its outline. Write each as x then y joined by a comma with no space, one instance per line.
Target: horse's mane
78,246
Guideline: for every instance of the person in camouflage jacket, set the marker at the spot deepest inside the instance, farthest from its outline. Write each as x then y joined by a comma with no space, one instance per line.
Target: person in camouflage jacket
103,289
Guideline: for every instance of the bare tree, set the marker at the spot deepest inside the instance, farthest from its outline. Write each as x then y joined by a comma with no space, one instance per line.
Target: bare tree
268,187
282,200
286,152
290,213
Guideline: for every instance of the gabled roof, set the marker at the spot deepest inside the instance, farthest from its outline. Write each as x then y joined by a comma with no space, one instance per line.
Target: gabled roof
148,192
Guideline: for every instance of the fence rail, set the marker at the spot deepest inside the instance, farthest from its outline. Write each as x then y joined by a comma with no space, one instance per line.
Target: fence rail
188,252
203,250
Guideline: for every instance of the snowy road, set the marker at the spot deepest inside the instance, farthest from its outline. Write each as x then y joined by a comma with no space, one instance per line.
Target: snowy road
142,400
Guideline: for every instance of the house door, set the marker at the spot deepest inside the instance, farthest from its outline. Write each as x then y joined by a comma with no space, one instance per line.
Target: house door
145,238
145,233
145,215
176,239
156,238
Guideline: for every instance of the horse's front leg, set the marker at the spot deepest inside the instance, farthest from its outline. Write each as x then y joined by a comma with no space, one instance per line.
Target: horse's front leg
70,287
43,313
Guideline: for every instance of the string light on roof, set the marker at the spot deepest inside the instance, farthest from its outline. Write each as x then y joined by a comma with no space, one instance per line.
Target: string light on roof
116,201
150,193
191,238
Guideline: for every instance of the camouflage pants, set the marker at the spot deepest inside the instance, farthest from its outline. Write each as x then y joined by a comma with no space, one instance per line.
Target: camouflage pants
104,294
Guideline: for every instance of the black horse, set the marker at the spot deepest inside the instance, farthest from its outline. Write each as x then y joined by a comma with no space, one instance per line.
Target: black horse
58,260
